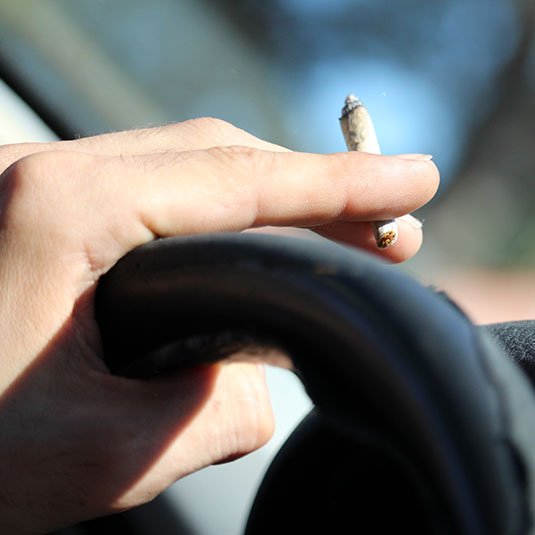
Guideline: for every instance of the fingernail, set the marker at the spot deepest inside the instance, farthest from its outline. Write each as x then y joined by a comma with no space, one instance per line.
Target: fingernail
411,220
420,157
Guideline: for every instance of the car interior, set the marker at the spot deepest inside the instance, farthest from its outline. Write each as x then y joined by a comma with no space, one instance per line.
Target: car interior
403,395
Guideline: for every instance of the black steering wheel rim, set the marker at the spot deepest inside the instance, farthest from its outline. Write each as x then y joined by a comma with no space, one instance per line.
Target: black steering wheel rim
359,333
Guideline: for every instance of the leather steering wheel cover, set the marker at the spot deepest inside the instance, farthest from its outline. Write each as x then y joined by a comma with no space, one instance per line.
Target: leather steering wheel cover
360,333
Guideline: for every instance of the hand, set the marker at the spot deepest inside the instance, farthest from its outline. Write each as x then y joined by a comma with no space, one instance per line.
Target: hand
76,441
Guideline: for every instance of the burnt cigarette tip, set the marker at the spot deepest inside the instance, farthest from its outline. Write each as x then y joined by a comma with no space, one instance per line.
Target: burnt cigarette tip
351,103
387,239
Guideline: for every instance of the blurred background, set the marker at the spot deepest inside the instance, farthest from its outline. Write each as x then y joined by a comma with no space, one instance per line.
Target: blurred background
453,78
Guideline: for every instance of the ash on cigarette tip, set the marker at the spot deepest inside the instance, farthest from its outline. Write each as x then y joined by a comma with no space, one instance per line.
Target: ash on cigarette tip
351,103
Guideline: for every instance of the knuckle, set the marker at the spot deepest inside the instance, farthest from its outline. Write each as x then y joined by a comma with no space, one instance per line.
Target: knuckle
242,164
211,124
22,192
239,157
9,154
238,179
218,130
33,186
28,172
209,131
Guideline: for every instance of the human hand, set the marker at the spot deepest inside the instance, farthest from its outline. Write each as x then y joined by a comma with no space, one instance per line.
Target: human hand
78,442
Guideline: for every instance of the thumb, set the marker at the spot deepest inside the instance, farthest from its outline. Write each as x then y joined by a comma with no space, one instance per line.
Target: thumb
182,422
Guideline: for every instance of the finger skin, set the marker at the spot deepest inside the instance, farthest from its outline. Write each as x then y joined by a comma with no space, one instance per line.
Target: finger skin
195,134
205,133
219,189
68,212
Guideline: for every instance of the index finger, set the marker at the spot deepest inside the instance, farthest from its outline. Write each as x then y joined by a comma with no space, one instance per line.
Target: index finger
235,188
102,206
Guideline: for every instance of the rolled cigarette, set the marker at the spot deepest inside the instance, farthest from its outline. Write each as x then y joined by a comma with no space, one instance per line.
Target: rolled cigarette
359,135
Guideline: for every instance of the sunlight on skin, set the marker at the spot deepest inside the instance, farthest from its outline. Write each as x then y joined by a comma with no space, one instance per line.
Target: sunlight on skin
69,211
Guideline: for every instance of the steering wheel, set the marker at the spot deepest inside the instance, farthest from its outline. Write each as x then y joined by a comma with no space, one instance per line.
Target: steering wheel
420,422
